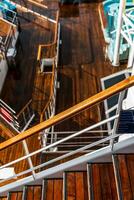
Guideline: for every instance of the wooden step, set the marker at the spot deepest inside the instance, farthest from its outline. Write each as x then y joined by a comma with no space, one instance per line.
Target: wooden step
126,173
76,187
15,195
3,198
32,192
52,189
102,182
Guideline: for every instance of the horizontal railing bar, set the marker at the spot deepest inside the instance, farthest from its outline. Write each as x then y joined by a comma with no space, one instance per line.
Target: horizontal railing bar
64,156
91,101
111,109
7,106
60,141
74,145
33,12
66,132
86,137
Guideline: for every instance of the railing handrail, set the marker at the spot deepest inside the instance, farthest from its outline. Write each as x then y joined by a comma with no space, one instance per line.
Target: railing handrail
91,101
51,93
23,109
52,43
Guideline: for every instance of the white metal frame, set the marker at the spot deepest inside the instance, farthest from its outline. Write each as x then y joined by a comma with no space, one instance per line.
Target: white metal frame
126,72
125,28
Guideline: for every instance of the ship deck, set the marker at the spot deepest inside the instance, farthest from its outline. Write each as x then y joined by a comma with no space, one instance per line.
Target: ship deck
81,66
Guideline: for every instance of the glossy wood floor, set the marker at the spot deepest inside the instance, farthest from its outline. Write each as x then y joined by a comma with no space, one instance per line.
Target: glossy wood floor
125,164
102,181
82,64
82,61
76,186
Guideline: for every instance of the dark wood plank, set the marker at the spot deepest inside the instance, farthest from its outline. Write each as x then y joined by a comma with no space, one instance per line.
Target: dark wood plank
76,186
29,193
33,192
130,165
58,189
81,186
15,195
125,177
70,186
50,190
104,186
96,182
37,192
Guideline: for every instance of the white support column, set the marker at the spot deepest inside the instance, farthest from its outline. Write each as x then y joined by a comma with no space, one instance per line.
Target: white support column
118,33
131,56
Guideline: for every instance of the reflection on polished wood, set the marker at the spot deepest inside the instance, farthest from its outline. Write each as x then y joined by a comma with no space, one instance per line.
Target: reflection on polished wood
82,64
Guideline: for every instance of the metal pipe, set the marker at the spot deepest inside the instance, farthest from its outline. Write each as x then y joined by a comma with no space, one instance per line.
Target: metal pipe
64,156
60,141
118,33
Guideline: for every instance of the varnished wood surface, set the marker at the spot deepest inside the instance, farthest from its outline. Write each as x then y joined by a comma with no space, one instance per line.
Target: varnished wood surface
126,163
3,198
76,186
5,132
15,195
71,111
17,151
103,182
33,192
82,64
41,93
53,189
19,83
82,60
4,28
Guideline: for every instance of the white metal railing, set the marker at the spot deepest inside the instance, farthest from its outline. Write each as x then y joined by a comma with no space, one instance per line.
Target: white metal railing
10,18
49,112
19,122
125,28
55,144
28,10
103,141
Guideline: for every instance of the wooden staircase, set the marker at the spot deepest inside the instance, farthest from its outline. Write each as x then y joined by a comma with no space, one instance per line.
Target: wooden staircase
106,181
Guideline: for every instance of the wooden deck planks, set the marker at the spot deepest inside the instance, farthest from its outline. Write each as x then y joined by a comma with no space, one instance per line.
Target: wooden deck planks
126,175
54,189
15,195
76,186
104,186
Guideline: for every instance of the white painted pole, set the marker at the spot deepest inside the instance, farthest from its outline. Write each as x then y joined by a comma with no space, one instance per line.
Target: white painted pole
131,57
118,33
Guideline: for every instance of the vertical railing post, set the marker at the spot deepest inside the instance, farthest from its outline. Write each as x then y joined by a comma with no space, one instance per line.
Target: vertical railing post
118,33
119,108
131,56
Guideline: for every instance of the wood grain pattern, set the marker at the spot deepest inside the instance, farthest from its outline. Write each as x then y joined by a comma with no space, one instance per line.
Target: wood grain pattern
103,182
33,192
15,195
58,189
50,192
125,170
71,111
76,186
53,189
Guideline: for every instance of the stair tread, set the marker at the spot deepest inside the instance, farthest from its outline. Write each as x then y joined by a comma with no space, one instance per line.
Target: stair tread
103,181
15,195
126,163
33,192
53,189
76,186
